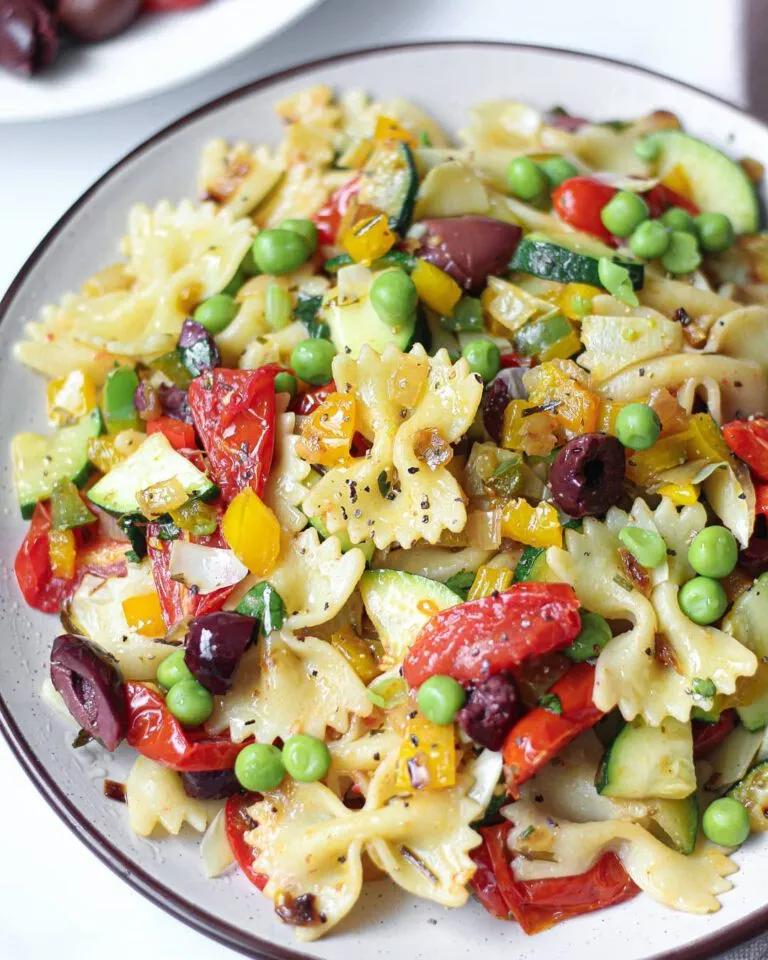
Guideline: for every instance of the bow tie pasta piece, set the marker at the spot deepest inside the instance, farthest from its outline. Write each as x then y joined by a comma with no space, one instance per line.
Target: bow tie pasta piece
286,487
237,176
667,296
288,685
155,795
401,490
742,333
704,389
677,528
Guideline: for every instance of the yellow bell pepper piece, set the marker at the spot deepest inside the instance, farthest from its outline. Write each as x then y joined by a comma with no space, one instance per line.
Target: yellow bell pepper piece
161,497
705,441
252,531
144,614
326,434
103,454
427,759
644,466
70,398
436,288
537,526
606,417
575,300
62,553
577,407
389,129
677,179
489,580
357,653
563,348
681,494
512,434
369,239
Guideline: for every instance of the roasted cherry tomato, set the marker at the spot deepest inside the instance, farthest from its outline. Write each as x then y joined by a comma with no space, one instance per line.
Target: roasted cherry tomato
661,198
474,640
543,732
579,201
761,499
749,441
328,218
538,904
179,434
304,403
707,736
157,734
237,823
234,413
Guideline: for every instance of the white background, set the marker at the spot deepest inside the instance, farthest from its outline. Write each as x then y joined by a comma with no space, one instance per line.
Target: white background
56,899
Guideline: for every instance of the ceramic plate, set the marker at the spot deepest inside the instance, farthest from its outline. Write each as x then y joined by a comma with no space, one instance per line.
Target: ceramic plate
446,79
157,52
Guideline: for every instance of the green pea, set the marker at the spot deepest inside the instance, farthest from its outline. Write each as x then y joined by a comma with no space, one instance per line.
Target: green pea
394,297
557,169
306,758
715,232
525,179
703,600
593,636
305,228
678,219
285,383
440,698
646,546
623,212
173,669
682,255
467,316
216,313
248,266
726,822
637,426
647,149
278,308
259,767
312,359
649,240
483,357
278,251
236,282
189,702
713,552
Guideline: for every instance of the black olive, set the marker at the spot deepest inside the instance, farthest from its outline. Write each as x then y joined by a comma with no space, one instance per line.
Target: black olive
587,475
754,557
28,37
210,784
491,708
470,248
507,385
175,403
215,644
197,348
91,20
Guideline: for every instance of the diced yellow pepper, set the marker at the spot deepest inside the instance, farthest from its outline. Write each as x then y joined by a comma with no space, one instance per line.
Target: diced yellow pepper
427,759
102,453
252,531
326,434
70,398
575,299
512,434
488,580
705,441
537,526
644,466
436,288
577,407
144,614
369,239
62,553
681,494
389,129
677,179
563,348
161,497
357,653
606,418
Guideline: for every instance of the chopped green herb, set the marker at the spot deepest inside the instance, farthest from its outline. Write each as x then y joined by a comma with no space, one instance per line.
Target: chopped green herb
384,485
507,478
461,582
551,702
703,688
265,604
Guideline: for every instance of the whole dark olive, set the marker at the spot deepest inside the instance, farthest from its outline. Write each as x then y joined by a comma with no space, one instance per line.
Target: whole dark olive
215,643
91,688
587,475
28,37
210,784
91,20
174,403
490,710
506,385
198,348
469,248
754,557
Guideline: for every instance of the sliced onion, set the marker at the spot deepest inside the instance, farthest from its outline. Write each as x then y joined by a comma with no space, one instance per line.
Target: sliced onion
486,771
215,850
483,529
206,568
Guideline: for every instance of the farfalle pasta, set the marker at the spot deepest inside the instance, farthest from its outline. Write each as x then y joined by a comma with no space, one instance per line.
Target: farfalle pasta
404,505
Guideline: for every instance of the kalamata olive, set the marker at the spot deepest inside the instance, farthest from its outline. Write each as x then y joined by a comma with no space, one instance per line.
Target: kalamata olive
754,557
564,121
210,784
469,248
28,37
215,643
491,708
198,348
91,688
174,403
506,385
587,475
91,20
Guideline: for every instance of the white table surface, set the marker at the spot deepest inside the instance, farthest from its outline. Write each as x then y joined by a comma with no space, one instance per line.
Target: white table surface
51,889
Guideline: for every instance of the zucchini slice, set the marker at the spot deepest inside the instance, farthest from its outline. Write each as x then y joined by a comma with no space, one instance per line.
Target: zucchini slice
355,323
567,261
752,793
678,822
390,183
645,761
39,462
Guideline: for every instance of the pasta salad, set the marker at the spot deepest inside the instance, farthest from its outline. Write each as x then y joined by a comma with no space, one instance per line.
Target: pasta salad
405,511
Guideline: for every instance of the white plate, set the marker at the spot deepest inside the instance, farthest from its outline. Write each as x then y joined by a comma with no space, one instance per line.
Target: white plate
446,79
156,52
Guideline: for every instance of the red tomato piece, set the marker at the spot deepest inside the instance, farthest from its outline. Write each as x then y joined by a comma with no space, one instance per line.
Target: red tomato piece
749,441
761,499
661,198
328,218
539,904
474,640
32,566
179,434
237,823
304,403
541,734
155,733
707,736
234,413
513,360
579,201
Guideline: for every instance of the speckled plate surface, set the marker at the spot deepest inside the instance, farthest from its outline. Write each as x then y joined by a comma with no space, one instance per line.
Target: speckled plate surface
446,79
